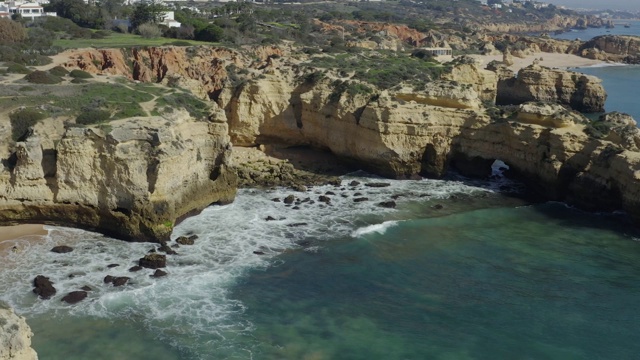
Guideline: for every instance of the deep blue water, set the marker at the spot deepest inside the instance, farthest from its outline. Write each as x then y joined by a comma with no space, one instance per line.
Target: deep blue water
619,29
621,84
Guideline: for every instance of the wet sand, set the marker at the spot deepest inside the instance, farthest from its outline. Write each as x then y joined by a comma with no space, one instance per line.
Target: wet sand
10,234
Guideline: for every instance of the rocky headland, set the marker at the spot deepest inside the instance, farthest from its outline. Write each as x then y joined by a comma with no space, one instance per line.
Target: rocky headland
15,336
136,177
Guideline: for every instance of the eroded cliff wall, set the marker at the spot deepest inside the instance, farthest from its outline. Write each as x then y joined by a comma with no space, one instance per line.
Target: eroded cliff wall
132,180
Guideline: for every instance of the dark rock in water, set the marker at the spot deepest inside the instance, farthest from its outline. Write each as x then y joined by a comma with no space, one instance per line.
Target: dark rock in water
298,187
396,196
354,183
437,206
425,195
86,288
377,184
329,193
120,280
387,204
275,199
193,237
344,195
152,251
311,202
289,199
167,249
62,249
43,287
360,199
116,280
306,200
112,265
135,268
183,240
153,261
297,224
296,208
74,297
324,199
357,194
258,252
269,218
159,273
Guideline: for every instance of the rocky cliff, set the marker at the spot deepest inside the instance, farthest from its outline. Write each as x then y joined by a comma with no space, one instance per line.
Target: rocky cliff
617,48
139,176
15,336
536,83
133,179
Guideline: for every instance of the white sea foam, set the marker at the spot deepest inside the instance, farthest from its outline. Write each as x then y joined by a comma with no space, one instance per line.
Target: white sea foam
375,228
194,300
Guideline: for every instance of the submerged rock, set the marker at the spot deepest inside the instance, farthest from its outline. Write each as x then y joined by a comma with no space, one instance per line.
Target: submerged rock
153,261
62,249
74,297
159,273
183,240
387,204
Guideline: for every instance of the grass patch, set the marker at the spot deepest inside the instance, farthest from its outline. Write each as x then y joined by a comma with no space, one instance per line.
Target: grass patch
80,74
384,69
118,40
42,77
14,68
58,71
93,116
22,120
197,108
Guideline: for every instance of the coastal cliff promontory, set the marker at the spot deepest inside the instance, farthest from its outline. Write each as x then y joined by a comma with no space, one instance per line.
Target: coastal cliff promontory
15,336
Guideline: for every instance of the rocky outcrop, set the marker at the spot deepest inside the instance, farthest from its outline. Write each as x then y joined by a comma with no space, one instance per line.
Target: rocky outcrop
536,83
15,336
616,48
132,180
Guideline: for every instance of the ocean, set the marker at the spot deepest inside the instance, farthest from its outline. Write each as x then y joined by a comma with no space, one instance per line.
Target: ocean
620,82
458,270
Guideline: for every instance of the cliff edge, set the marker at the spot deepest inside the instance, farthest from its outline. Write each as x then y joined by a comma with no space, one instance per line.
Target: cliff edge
15,336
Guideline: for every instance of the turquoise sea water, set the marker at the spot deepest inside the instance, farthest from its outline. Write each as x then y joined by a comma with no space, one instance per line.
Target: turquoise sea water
619,29
456,271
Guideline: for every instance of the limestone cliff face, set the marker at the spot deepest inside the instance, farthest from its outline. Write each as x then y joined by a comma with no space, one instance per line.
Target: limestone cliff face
132,181
15,336
613,48
401,134
536,83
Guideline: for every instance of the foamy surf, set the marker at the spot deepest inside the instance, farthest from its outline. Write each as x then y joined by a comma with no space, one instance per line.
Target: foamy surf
376,228
193,308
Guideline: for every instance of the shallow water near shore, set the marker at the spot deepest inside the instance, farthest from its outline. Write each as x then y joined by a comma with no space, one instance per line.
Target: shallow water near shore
456,271
621,84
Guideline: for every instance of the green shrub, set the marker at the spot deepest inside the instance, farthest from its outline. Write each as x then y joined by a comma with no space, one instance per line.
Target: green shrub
80,74
78,81
58,71
88,117
179,43
22,120
149,31
14,68
42,77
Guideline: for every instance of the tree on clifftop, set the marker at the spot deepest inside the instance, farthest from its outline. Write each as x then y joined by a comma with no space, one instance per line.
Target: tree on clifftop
11,32
145,13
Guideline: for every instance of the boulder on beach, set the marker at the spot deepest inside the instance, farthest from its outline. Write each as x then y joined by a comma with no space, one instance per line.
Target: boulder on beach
153,261
43,287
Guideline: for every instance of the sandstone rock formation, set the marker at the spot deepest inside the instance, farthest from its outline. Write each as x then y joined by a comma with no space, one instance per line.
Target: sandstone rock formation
132,181
15,336
613,48
537,83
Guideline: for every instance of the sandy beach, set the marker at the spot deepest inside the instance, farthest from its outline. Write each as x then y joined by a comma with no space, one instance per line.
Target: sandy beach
552,60
9,234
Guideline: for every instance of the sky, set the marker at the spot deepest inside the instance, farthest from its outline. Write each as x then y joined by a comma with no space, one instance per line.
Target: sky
599,4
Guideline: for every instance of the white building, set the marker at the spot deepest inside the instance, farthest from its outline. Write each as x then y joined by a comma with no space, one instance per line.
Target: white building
27,10
169,19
